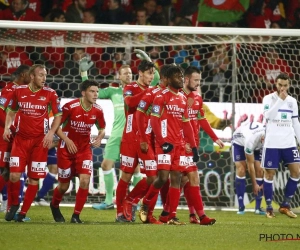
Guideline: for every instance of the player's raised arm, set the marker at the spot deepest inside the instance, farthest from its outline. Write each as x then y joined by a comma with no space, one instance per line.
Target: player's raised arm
84,66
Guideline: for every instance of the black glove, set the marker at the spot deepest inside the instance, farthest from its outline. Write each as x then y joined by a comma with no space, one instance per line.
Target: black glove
167,147
195,154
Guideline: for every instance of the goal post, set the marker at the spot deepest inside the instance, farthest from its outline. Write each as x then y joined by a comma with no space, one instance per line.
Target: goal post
238,67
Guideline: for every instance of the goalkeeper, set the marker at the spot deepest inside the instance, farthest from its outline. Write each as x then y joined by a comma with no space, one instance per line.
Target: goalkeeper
112,148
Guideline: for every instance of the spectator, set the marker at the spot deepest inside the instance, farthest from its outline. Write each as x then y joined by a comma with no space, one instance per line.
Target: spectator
155,13
19,11
141,17
74,13
259,16
115,14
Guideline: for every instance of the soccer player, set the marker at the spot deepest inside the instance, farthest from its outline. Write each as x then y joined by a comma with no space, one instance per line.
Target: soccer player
21,77
192,77
247,142
112,148
33,136
169,121
146,150
50,177
74,154
281,115
130,141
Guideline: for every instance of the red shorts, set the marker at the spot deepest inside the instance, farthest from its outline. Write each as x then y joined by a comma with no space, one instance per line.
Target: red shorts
172,161
191,165
129,156
147,162
5,148
70,165
30,153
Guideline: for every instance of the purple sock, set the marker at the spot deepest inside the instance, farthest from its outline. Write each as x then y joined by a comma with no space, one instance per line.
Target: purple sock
240,188
47,185
4,193
290,190
268,192
22,185
258,198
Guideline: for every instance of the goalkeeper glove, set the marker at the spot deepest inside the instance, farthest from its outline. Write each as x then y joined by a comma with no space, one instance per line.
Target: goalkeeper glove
84,65
167,147
142,55
195,154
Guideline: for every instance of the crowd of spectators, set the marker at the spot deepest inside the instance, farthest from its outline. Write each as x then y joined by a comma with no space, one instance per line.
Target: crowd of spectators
257,65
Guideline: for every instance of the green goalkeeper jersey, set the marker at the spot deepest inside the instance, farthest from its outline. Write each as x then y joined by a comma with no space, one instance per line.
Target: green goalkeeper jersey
115,94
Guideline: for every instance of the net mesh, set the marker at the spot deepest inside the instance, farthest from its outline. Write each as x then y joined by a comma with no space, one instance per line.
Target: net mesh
236,68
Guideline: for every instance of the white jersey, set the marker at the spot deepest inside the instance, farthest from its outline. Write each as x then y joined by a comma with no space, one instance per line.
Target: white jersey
279,115
249,136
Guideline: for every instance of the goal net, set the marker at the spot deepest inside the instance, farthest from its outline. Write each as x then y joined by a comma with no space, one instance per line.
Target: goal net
238,67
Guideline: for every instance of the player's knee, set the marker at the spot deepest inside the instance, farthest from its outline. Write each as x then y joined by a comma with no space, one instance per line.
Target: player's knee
106,166
14,177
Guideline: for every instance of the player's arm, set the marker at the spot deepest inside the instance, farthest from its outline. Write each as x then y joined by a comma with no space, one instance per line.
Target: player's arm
251,142
251,170
84,66
68,142
270,111
141,117
100,124
10,117
131,100
295,121
57,112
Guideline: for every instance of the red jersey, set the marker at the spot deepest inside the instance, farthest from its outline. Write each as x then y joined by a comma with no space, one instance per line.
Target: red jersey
131,93
77,122
144,111
172,110
196,116
6,95
33,108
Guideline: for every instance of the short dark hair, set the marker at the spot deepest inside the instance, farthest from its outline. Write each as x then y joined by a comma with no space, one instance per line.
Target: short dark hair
282,76
145,65
190,70
88,83
56,13
174,70
21,69
164,68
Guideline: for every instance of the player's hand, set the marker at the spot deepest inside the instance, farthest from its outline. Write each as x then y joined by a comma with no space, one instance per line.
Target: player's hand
48,140
71,146
283,94
142,55
188,148
220,143
167,147
96,142
256,188
6,135
224,123
144,147
85,65
196,156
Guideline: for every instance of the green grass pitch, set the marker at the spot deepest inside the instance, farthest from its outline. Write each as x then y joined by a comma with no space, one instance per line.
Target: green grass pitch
99,231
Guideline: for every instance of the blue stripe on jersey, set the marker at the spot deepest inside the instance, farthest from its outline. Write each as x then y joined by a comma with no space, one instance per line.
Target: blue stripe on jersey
285,110
295,116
